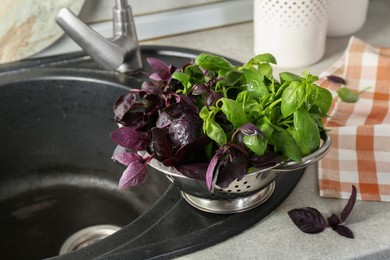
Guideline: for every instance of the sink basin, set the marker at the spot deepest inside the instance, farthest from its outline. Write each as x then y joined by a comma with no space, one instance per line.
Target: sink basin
56,175
57,178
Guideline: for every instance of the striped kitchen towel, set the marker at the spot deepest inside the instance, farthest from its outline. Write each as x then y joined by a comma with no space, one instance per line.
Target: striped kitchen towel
360,152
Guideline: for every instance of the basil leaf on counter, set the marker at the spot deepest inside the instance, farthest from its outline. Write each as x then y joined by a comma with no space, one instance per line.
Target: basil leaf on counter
310,220
336,79
349,96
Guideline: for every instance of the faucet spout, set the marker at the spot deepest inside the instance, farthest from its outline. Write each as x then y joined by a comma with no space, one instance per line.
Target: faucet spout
120,53
122,18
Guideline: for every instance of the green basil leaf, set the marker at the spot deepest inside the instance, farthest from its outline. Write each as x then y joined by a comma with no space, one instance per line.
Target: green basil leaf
286,144
273,85
214,131
347,95
261,58
289,77
266,128
292,98
253,110
323,101
265,69
191,75
204,113
184,78
212,62
311,92
249,104
196,74
211,128
233,112
274,115
255,83
281,89
318,119
256,144
232,77
267,100
309,78
305,132
244,96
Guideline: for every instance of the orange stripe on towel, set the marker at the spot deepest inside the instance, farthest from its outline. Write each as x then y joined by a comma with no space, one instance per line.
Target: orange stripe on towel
368,181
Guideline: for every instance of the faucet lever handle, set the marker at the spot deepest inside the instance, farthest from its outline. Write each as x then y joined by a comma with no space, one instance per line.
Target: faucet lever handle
121,53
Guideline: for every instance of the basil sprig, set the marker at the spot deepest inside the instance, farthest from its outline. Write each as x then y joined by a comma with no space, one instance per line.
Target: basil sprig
290,109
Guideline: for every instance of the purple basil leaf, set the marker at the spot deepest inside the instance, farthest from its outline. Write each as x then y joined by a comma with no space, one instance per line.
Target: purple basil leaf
212,97
188,105
308,220
210,170
223,122
199,89
174,110
250,129
131,138
343,231
172,69
160,145
152,102
232,169
185,154
172,98
350,204
134,175
182,108
132,119
213,82
184,130
336,79
124,105
118,151
163,120
150,88
162,71
126,157
178,97
268,159
142,123
194,170
333,220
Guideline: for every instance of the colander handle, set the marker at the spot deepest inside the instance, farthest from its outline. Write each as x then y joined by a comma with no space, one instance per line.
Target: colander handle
307,160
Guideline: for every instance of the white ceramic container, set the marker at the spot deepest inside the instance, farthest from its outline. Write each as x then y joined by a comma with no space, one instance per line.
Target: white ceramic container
294,31
346,16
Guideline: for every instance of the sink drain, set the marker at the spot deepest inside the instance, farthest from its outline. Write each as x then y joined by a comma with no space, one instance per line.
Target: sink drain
86,237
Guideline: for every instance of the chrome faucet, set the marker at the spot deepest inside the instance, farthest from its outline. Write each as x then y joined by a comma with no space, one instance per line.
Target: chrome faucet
120,53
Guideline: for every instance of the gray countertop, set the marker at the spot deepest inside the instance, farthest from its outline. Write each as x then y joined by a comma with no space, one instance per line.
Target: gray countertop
276,237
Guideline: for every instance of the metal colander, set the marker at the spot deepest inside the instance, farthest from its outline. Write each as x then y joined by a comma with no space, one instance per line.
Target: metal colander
241,195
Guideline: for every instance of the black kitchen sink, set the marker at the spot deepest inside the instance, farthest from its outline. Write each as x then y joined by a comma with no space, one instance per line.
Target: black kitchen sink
57,176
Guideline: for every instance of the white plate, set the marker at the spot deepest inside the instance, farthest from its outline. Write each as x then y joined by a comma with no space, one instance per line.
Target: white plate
27,27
